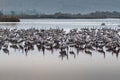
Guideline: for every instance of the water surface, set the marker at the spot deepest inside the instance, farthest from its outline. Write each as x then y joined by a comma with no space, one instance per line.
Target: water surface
36,66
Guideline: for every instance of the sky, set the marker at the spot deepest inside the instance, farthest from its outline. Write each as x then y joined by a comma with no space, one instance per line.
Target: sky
67,6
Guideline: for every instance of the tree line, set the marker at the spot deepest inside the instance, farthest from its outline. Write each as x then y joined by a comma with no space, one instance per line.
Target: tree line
60,15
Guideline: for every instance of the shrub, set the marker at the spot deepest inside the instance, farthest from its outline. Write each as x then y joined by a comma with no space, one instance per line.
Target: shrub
9,19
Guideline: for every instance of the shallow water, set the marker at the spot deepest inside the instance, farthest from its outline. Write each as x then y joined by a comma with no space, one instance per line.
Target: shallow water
67,24
36,66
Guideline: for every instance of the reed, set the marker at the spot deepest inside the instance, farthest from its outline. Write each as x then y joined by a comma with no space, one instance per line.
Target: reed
9,19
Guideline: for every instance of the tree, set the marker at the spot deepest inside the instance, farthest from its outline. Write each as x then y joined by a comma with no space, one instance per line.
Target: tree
1,13
12,12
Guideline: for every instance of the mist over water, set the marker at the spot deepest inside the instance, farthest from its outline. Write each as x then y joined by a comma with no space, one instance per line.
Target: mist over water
66,24
49,66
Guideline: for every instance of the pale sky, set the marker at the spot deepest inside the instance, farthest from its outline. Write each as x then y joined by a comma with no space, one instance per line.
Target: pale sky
70,6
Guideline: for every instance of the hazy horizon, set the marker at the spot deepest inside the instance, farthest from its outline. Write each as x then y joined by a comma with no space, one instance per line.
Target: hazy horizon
66,6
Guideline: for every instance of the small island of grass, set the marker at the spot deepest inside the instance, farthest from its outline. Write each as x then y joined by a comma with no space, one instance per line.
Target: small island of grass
9,19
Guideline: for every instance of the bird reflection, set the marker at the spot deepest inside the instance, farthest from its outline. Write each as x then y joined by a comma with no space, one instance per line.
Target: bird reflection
26,51
117,55
88,52
63,54
101,51
73,53
87,40
6,51
43,50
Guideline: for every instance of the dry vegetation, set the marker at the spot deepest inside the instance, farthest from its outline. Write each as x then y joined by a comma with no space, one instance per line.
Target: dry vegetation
9,19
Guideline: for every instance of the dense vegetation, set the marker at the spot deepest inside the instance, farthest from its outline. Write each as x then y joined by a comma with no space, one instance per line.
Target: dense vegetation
9,19
60,15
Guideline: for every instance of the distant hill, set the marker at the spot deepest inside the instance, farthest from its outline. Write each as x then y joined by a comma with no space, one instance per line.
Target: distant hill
60,15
